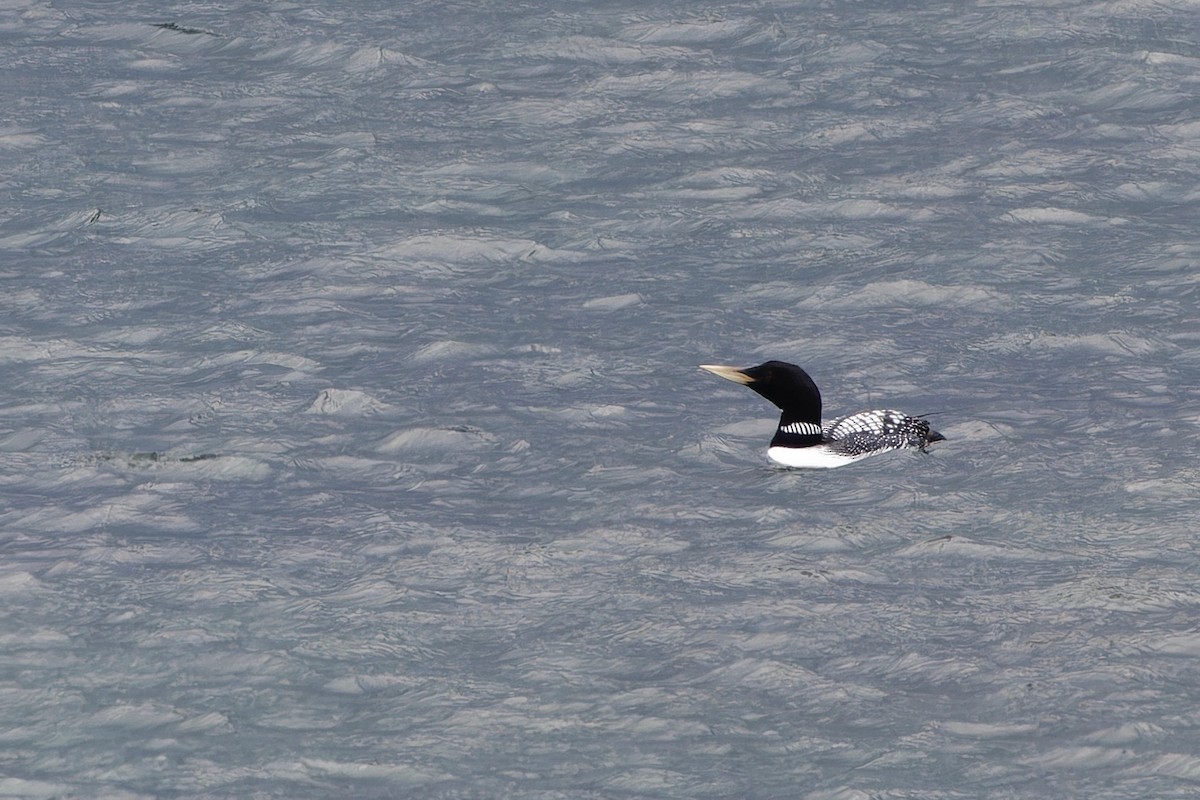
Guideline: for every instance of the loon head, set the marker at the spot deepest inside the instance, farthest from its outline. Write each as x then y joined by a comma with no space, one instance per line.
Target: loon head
784,384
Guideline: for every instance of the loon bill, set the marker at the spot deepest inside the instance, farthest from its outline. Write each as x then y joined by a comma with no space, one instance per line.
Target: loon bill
802,441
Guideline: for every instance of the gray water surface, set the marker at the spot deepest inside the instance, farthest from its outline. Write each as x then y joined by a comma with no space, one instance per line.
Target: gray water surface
354,444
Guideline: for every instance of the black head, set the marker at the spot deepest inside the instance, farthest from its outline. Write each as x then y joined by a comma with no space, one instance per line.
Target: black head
784,384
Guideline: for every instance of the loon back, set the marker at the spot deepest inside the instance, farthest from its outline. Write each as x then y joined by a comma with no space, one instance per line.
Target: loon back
870,432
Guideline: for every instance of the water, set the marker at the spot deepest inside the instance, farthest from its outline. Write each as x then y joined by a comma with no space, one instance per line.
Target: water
354,444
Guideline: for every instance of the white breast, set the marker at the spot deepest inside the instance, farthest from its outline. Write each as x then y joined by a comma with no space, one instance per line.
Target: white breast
818,457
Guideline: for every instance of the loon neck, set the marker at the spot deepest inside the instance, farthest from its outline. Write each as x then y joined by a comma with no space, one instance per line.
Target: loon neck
797,433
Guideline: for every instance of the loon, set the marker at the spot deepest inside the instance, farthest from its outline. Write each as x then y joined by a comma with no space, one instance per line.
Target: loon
801,440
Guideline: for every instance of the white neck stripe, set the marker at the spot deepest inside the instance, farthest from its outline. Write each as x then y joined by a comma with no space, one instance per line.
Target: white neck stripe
801,428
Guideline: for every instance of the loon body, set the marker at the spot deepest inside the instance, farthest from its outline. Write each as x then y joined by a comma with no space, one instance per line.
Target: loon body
802,441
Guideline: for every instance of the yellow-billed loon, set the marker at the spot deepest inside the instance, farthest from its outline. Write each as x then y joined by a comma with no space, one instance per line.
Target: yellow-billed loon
802,441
